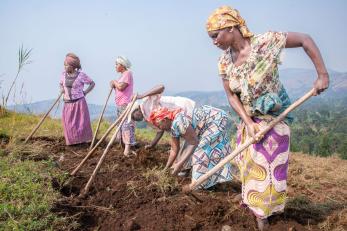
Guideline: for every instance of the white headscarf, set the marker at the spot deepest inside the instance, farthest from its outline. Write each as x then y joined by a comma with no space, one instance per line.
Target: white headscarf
123,61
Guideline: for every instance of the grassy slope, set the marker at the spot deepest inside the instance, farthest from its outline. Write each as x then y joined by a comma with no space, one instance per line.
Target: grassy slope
26,193
19,126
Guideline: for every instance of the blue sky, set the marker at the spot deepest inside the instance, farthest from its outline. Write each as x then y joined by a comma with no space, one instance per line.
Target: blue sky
165,40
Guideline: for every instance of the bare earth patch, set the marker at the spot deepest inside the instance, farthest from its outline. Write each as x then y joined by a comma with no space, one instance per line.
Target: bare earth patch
134,194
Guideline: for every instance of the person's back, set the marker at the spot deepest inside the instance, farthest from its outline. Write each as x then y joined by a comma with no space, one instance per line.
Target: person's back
151,103
153,100
186,104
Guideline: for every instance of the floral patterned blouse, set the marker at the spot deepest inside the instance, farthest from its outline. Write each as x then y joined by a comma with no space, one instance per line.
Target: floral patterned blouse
73,86
257,79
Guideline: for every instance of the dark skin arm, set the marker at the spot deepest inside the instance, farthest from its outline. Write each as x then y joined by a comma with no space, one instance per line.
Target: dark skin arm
294,40
235,103
90,88
120,86
156,139
154,91
175,145
192,142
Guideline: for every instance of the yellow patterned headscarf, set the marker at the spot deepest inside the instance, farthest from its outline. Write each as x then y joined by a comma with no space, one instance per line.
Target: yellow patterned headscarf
224,17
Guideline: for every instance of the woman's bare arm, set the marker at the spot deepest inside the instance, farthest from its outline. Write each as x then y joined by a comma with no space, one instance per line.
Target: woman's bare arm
295,39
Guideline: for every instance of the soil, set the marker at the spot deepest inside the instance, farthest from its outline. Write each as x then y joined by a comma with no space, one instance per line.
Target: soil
122,198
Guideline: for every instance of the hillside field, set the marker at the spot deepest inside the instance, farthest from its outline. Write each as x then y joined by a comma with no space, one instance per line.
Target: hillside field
37,192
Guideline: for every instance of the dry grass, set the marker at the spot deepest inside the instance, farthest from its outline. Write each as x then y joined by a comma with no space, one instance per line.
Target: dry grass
322,186
319,178
303,209
160,179
132,186
233,208
336,222
321,181
20,125
23,151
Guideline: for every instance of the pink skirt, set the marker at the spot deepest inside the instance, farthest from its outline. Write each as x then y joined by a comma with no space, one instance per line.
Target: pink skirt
76,122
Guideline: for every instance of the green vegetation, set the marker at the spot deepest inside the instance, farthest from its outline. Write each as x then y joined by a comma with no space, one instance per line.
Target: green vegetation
23,60
26,171
26,195
320,128
148,134
20,125
26,174
26,192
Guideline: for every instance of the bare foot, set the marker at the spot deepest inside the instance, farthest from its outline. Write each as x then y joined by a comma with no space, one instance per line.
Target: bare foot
127,150
263,224
130,153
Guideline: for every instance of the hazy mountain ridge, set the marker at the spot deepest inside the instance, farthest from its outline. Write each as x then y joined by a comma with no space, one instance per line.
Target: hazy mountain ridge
41,107
299,81
296,81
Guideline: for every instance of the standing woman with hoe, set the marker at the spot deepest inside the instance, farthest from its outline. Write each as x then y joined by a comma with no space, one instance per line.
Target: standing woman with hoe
248,68
124,91
75,118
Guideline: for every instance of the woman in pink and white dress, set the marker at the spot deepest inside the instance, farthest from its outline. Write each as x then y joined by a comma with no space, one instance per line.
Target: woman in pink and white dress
75,118
124,90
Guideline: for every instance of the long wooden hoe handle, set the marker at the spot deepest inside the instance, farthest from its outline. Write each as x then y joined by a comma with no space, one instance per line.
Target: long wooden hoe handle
100,118
98,143
43,118
250,141
128,110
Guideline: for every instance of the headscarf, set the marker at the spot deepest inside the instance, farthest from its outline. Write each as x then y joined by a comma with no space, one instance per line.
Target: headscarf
72,60
162,113
123,61
224,17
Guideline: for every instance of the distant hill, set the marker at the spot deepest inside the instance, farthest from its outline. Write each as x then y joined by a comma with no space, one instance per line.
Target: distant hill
41,107
299,81
215,98
296,81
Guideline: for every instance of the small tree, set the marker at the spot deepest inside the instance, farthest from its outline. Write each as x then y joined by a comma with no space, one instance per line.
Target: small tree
343,150
324,148
23,59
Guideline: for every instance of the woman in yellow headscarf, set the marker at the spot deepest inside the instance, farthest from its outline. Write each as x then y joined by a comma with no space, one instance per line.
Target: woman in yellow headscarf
248,67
